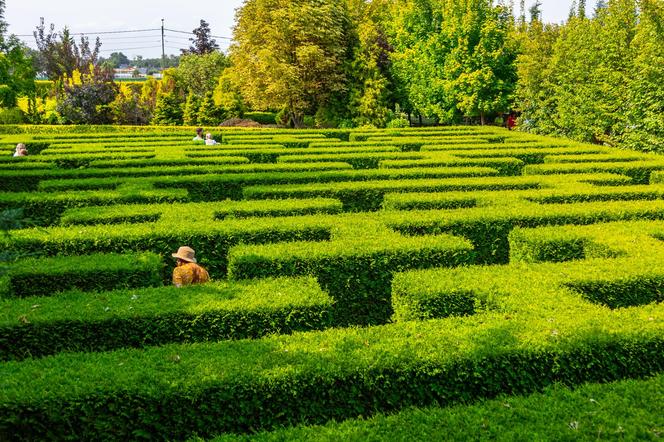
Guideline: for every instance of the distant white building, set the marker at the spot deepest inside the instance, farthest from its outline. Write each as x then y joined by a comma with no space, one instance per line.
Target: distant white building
127,73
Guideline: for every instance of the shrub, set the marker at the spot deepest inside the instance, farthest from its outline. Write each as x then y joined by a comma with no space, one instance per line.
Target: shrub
12,116
48,276
265,118
214,311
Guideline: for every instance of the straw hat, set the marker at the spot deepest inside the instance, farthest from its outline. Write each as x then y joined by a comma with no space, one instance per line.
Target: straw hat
185,253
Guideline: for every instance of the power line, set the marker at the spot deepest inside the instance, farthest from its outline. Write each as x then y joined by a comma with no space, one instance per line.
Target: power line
130,37
101,32
191,33
128,49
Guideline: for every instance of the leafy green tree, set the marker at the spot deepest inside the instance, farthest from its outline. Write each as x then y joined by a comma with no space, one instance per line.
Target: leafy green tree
227,97
168,110
191,109
590,67
535,97
127,108
117,59
370,82
454,56
290,54
417,60
148,97
479,70
209,114
198,74
16,69
645,94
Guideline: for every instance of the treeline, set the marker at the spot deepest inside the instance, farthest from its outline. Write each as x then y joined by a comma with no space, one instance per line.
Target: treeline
353,63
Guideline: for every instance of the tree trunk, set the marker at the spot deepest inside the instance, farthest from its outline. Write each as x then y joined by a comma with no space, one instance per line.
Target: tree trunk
482,118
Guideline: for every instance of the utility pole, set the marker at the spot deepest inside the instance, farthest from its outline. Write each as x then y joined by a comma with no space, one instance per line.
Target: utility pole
163,52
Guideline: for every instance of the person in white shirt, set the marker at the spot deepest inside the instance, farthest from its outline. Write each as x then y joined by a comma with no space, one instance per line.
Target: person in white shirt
209,141
21,150
199,135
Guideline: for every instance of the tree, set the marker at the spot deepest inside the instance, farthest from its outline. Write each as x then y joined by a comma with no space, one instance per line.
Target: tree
59,55
191,109
645,95
535,11
168,110
419,51
199,73
479,70
227,97
290,54
455,57
209,114
582,9
16,69
370,83
203,43
535,98
127,108
599,7
117,59
85,97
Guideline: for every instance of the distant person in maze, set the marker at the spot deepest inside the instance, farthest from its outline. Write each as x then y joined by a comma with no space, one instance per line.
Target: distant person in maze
209,141
21,150
187,272
199,135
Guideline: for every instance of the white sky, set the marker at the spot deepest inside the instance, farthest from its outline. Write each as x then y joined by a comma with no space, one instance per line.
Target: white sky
118,15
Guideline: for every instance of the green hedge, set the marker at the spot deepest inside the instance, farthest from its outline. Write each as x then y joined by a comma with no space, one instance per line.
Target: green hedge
200,212
619,275
175,391
528,155
617,157
48,276
211,239
625,410
45,209
356,272
559,193
639,171
262,117
488,228
214,187
138,318
554,244
506,166
14,181
369,195
360,160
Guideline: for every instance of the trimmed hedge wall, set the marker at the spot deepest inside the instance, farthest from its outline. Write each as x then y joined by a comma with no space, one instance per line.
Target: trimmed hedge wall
199,212
48,276
138,318
357,273
629,410
620,275
45,209
176,391
210,239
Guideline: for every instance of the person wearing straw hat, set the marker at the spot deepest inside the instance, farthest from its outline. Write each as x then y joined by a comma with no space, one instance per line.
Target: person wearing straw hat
187,271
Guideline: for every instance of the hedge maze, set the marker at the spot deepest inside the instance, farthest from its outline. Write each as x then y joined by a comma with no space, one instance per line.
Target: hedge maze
355,273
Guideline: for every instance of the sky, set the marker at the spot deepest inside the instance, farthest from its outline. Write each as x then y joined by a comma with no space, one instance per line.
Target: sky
93,16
